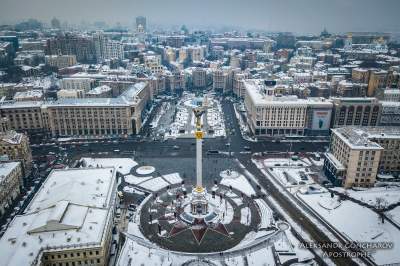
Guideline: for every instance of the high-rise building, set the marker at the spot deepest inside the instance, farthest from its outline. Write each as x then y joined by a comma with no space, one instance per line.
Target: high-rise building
107,49
72,44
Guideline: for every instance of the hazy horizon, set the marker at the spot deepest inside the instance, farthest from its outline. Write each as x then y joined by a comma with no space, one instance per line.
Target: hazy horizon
299,16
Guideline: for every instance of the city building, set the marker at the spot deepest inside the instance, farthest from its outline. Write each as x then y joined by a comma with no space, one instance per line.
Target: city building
103,91
275,115
353,159
84,84
10,184
107,49
68,222
32,95
391,95
238,83
120,116
222,80
70,94
60,61
358,154
390,114
15,147
81,46
377,82
24,116
351,89
355,111
199,77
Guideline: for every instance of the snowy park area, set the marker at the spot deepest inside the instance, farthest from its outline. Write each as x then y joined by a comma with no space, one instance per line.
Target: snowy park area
386,195
237,181
365,226
394,215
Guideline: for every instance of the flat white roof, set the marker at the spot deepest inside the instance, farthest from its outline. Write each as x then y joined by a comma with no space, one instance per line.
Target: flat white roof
6,168
255,90
356,138
72,208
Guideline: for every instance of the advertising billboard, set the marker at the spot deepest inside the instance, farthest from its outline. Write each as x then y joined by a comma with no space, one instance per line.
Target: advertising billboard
321,119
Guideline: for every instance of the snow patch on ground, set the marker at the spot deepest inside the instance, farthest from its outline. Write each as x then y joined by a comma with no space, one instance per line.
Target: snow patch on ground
359,224
122,165
369,195
240,183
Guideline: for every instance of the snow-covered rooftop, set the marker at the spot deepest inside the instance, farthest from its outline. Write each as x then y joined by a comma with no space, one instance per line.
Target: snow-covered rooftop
72,208
355,138
6,168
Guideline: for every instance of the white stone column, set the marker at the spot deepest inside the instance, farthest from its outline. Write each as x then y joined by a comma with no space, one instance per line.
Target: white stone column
199,166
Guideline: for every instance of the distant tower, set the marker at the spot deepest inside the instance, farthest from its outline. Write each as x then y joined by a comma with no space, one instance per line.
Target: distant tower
141,23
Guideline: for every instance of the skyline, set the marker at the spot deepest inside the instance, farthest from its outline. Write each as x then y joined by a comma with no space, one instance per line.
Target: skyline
270,15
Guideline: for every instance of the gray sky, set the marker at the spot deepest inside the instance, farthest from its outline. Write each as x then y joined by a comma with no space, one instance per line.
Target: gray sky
274,15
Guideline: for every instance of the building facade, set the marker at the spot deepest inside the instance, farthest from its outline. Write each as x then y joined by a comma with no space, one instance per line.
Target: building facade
60,61
355,111
68,222
353,159
272,115
10,184
15,146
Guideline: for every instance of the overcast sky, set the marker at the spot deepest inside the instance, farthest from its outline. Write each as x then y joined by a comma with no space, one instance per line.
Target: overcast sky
304,16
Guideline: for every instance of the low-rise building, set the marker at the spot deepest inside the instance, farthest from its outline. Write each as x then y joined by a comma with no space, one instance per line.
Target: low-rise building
10,184
68,222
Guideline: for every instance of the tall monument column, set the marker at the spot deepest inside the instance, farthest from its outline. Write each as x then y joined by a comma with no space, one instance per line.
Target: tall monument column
199,147
199,205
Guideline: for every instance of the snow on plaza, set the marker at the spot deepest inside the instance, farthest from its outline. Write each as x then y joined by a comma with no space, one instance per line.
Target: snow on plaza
352,212
237,230
181,119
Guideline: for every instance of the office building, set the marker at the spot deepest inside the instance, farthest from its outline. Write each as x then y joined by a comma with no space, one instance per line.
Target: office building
68,222
355,111
275,115
353,159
